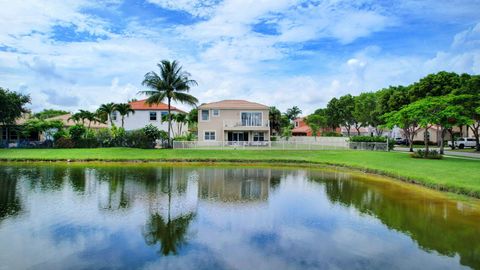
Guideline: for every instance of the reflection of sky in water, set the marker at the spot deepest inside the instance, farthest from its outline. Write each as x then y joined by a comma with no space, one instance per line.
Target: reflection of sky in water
237,222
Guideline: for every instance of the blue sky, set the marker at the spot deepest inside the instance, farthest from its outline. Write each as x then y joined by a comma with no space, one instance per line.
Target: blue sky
79,54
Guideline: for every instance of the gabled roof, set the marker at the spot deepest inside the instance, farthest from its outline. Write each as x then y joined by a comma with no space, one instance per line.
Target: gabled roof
141,105
302,129
68,122
234,104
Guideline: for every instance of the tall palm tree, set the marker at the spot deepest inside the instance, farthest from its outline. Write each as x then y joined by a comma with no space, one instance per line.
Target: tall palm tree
90,116
172,83
181,120
76,117
124,109
107,110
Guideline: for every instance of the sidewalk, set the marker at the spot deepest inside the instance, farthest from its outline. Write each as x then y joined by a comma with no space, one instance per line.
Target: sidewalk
447,152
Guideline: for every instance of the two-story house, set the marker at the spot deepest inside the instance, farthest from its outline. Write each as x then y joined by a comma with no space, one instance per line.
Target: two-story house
236,121
146,114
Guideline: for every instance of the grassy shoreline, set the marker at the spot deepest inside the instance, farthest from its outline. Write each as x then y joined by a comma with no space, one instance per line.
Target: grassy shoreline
454,175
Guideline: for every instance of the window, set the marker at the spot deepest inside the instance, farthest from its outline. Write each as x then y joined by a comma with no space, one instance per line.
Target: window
251,119
209,135
114,116
258,136
163,114
470,140
205,115
215,112
296,124
153,116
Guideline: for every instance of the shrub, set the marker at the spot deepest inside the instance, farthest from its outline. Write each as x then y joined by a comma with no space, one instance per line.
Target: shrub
391,143
118,136
60,134
151,132
104,137
331,134
432,154
64,142
138,139
188,137
76,132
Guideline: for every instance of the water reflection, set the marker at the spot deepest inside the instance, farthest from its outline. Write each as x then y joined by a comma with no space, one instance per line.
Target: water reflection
149,216
436,225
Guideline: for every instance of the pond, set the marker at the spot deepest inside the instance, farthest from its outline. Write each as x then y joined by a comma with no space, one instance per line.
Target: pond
158,216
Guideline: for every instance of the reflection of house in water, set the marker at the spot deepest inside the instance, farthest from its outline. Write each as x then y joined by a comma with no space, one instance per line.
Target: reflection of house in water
230,185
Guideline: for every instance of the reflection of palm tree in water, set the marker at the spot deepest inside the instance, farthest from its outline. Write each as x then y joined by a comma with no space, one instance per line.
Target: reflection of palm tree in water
169,233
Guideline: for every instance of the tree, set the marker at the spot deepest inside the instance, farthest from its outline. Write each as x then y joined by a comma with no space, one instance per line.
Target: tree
49,113
366,113
105,112
293,113
35,125
76,118
406,120
471,86
192,118
315,122
346,105
438,84
172,83
12,106
87,115
333,113
124,109
181,120
275,120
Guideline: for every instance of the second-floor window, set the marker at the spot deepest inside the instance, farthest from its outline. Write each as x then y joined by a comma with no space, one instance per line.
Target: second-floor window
251,119
163,115
153,116
114,116
215,112
205,115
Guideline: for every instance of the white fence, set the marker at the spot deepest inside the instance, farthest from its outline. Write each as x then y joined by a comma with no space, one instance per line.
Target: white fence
333,143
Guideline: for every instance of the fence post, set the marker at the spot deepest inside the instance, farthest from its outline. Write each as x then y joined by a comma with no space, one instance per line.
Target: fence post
388,148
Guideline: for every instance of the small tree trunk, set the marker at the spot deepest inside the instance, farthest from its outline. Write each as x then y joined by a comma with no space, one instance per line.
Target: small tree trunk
123,117
169,121
450,131
426,140
8,136
442,136
475,129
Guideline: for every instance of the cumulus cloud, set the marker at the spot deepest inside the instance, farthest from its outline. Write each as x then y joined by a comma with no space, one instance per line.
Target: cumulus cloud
226,49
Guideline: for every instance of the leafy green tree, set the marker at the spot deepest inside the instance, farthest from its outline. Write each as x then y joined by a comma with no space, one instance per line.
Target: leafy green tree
438,84
49,113
192,118
316,122
124,109
76,118
35,125
12,106
471,86
105,112
181,120
405,119
333,113
172,83
293,113
366,112
275,119
346,106
87,115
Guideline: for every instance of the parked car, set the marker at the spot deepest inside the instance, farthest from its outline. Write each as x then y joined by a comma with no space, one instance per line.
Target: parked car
463,142
401,141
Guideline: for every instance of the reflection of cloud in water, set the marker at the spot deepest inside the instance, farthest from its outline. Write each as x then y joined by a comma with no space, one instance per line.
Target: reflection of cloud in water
244,218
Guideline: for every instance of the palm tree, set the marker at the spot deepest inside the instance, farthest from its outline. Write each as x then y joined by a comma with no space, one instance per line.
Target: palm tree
172,83
90,116
107,110
293,113
124,109
181,120
76,117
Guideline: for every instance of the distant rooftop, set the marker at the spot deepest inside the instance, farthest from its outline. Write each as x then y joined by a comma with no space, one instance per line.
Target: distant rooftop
142,105
233,104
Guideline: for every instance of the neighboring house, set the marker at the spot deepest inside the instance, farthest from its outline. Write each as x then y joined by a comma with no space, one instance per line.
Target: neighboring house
67,122
14,133
146,114
233,121
301,128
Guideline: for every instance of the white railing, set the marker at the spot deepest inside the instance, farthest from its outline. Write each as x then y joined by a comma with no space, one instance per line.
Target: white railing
230,124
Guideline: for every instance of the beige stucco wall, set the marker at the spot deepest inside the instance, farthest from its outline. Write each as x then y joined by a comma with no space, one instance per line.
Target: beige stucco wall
229,117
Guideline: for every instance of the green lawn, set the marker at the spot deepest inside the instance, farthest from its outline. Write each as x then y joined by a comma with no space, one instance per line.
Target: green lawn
452,174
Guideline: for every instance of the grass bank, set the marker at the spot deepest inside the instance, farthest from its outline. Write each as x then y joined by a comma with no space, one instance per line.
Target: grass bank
450,174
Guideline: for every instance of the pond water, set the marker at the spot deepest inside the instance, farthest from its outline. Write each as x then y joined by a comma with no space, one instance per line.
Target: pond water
158,216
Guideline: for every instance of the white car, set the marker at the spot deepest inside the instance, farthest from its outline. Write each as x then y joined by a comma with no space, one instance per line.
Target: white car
463,142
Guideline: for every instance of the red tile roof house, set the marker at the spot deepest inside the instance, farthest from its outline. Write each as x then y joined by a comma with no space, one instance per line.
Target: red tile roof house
147,114
300,128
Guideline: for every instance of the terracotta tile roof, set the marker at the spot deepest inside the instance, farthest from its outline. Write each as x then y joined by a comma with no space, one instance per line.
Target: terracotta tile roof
233,104
303,129
141,105
68,123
